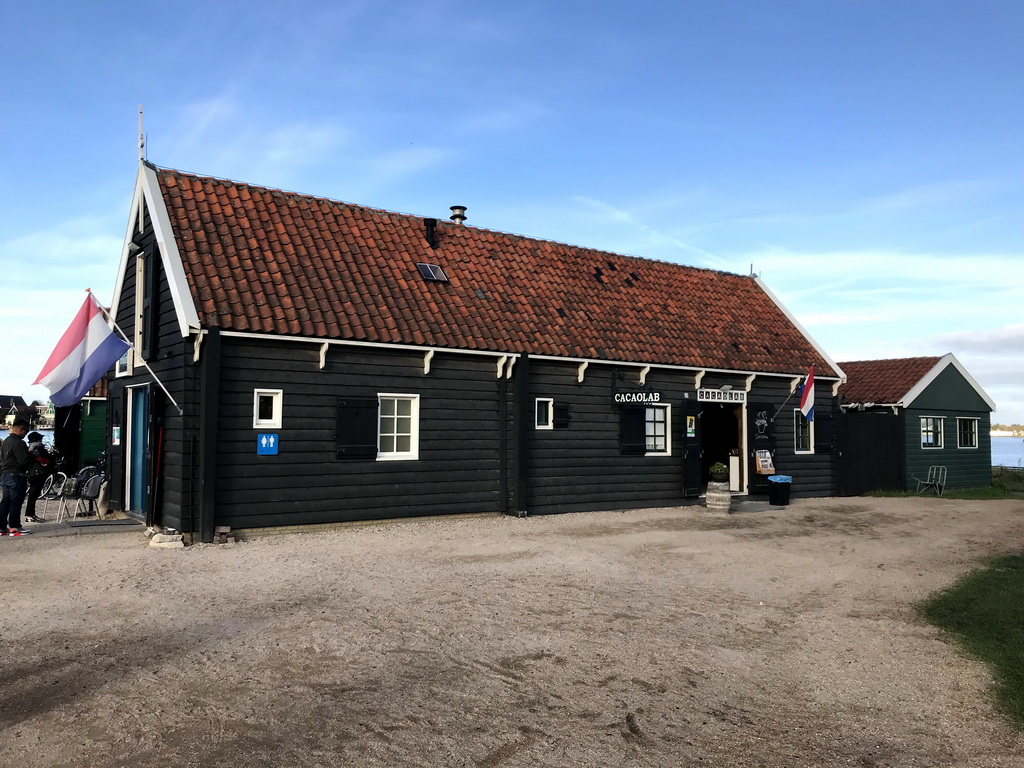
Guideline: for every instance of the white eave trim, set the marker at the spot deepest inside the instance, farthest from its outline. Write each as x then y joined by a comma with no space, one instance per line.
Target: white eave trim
323,344
697,369
579,362
933,374
147,192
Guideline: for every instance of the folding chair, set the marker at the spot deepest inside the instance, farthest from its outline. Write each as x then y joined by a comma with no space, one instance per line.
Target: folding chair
935,481
51,491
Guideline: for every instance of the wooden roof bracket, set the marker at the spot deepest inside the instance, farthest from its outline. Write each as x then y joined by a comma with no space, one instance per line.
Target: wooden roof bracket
580,371
643,374
698,377
427,357
794,384
198,344
835,387
750,382
508,370
501,365
323,355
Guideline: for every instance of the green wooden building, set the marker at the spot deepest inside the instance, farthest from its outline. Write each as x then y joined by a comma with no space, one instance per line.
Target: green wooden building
900,417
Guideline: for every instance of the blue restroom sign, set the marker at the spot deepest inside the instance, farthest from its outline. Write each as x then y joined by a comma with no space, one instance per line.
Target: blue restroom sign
266,445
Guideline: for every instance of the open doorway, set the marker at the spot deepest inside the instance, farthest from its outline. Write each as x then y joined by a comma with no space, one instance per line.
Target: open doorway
722,439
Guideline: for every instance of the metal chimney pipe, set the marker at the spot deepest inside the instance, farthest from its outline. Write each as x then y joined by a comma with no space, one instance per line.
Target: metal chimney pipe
429,226
458,213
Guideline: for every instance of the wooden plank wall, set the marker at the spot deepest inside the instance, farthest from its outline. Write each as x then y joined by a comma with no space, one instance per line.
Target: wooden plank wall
458,469
965,467
579,467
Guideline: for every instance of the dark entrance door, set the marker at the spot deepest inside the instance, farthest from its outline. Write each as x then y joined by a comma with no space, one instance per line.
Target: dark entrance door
137,450
691,448
720,434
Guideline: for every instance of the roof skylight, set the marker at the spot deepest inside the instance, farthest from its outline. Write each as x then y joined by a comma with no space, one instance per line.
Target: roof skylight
432,273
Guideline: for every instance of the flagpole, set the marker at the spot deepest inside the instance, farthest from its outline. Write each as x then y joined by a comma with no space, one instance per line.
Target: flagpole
116,327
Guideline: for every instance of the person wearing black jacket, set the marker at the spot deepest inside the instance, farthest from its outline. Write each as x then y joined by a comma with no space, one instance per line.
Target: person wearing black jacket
15,461
41,469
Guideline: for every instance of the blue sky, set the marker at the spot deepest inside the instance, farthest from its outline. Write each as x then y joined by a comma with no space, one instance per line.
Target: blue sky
864,156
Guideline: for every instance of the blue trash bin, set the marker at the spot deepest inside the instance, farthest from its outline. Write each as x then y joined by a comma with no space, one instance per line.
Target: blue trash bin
778,489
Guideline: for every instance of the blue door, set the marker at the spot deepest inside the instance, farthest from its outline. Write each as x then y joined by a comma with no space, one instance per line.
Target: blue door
138,448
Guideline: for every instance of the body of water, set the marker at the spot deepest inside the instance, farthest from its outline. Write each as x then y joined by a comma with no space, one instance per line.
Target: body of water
1008,451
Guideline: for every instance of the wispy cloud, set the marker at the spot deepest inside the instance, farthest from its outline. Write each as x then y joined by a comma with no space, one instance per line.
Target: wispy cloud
927,195
648,236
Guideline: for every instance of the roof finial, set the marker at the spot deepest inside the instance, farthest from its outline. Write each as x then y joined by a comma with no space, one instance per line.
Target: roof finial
142,138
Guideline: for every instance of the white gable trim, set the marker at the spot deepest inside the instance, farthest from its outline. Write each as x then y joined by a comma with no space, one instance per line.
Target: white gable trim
147,193
933,374
796,323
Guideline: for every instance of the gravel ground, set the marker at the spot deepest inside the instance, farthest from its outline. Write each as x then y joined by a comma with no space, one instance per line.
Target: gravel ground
662,637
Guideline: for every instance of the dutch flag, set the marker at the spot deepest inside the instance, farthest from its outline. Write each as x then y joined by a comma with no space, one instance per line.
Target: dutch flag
807,396
84,353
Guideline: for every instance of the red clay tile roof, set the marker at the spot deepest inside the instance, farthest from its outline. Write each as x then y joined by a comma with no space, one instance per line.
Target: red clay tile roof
268,261
883,381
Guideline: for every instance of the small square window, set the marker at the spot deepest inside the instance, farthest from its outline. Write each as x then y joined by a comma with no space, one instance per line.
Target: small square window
931,432
544,413
124,365
266,408
966,433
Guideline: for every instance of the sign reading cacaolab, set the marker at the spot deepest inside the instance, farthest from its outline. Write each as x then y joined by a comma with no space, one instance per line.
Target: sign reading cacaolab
640,398
721,396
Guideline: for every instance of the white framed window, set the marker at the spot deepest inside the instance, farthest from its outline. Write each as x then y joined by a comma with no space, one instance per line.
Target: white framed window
803,433
544,413
124,365
657,430
966,433
398,427
931,432
267,407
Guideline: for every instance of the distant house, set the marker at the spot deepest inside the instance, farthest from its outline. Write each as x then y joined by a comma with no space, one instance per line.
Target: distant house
326,362
901,416
14,407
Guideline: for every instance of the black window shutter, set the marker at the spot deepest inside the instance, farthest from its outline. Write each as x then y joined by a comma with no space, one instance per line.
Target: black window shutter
824,432
561,416
356,433
146,321
633,431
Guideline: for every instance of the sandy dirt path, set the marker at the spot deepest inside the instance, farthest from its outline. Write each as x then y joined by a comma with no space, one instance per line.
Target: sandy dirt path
664,637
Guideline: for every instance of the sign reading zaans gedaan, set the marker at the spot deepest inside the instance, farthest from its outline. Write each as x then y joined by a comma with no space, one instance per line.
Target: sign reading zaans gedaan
721,396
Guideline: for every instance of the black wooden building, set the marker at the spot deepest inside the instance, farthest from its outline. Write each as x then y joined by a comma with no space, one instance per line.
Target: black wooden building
321,362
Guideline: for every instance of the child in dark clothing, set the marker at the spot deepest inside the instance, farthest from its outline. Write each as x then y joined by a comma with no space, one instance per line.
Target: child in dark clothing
37,474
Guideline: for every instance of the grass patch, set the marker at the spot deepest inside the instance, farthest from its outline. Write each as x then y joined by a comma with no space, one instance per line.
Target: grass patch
1007,483
984,612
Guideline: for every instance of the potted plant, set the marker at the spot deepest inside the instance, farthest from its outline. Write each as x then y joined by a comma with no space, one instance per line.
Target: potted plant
719,472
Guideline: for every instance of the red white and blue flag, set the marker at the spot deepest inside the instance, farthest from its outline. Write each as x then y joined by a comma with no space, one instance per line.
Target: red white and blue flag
807,396
84,353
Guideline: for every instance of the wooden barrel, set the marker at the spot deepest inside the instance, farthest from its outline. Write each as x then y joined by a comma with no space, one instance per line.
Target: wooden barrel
719,499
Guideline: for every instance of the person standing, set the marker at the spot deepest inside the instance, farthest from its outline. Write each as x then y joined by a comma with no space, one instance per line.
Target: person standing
15,461
41,469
